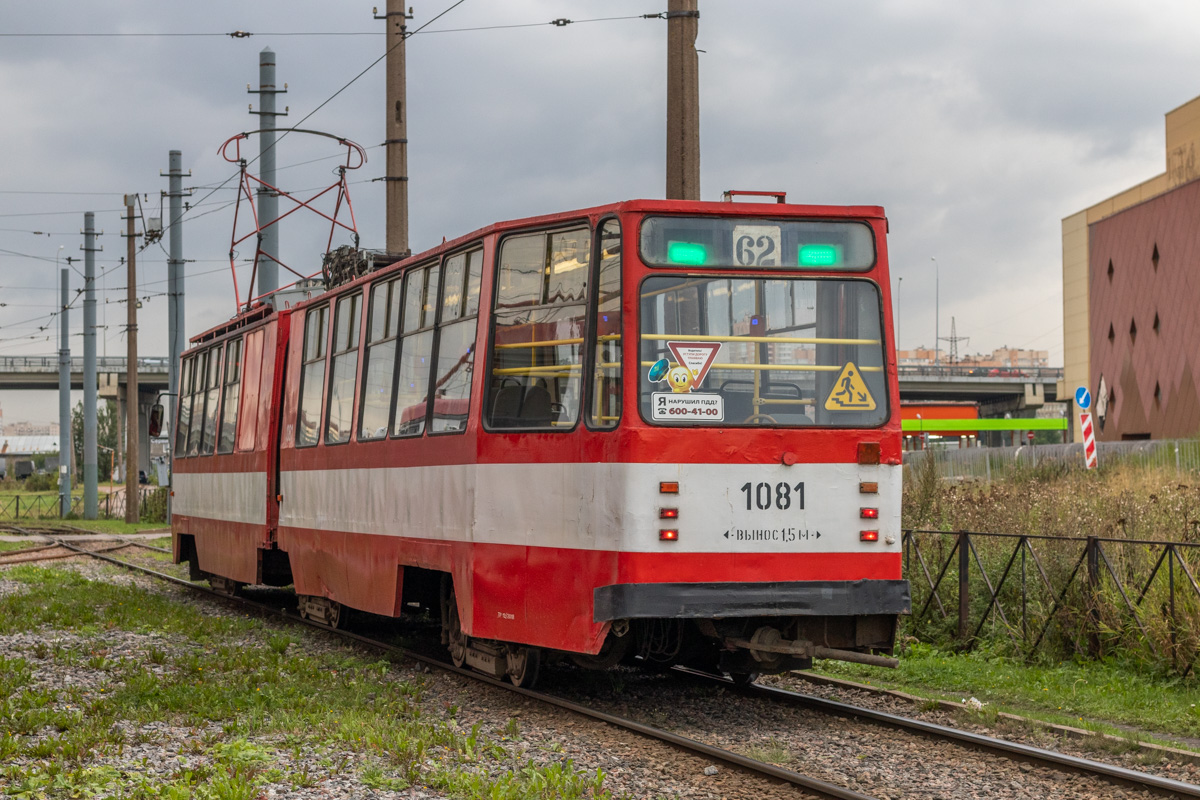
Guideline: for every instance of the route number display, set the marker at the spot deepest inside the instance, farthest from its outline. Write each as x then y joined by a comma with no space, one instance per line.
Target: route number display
757,245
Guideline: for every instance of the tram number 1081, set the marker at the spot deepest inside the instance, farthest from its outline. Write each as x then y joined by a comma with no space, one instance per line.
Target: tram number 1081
765,496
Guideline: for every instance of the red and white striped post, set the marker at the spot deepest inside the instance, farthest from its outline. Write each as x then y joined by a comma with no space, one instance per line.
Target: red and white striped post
1089,439
1083,399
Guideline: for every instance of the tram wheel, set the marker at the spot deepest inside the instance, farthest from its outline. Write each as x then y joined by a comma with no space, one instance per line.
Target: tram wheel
224,586
458,640
524,664
321,610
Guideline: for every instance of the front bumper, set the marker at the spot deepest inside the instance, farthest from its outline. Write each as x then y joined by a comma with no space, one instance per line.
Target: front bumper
776,599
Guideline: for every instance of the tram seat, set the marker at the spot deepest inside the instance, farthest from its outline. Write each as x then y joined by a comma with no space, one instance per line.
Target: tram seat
519,406
739,401
536,406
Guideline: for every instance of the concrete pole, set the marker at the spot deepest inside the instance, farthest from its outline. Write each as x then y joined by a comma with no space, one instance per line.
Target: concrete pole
90,378
131,376
396,130
268,201
683,101
64,399
175,278
176,327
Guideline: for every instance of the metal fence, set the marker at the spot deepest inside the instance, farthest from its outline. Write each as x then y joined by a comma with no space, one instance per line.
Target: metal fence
103,364
986,463
111,506
1057,596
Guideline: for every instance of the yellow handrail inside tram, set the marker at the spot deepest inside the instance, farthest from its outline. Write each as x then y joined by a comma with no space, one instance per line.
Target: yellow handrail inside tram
783,367
662,337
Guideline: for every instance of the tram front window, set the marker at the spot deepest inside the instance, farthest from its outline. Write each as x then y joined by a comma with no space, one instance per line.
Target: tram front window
731,351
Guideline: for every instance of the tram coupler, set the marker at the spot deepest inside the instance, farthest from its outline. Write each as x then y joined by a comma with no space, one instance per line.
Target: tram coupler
768,647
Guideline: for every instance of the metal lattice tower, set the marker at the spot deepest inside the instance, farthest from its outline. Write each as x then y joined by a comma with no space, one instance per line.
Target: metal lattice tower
954,339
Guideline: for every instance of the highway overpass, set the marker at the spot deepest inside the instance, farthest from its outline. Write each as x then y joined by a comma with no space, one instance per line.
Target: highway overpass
41,372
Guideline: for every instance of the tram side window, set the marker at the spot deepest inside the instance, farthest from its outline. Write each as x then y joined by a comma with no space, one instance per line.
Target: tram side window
345,366
604,407
229,403
538,331
380,359
456,342
312,376
195,402
416,350
212,388
185,408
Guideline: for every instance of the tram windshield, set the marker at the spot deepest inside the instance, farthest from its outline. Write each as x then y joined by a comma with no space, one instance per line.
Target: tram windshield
731,351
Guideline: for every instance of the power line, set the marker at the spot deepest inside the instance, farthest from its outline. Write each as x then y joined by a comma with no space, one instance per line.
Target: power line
558,23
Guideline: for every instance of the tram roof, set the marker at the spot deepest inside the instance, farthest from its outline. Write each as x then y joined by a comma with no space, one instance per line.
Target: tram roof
703,207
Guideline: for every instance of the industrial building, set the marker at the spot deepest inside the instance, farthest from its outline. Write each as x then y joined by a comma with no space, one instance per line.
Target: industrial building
1131,294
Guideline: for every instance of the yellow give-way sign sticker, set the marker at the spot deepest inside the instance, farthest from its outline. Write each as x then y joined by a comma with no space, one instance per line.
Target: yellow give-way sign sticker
850,392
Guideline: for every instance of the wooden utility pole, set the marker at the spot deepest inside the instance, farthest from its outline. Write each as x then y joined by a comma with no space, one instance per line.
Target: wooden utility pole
131,377
396,128
683,101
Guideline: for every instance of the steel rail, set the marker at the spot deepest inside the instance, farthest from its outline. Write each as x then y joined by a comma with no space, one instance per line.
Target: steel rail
727,757
29,555
1011,750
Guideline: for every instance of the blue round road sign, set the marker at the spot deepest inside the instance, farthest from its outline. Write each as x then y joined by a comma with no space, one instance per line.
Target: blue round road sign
1083,398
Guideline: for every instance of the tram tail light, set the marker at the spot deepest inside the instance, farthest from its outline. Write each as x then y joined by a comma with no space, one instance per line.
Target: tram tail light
868,513
868,536
868,453
669,535
668,487
668,513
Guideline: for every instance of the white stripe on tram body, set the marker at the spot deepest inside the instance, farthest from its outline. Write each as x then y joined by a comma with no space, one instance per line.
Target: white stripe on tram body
723,508
225,496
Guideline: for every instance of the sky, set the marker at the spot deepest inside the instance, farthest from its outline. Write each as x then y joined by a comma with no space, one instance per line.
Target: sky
977,126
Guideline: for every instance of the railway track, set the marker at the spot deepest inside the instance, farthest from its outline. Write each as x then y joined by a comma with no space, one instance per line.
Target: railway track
1115,775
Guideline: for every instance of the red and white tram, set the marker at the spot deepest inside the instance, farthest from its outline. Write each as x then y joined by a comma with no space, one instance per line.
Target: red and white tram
663,431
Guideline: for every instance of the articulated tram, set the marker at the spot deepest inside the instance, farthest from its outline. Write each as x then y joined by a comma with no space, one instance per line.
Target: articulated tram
658,432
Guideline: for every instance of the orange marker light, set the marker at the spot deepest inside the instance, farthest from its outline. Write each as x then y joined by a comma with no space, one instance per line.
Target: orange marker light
868,536
669,487
668,513
868,513
868,452
670,535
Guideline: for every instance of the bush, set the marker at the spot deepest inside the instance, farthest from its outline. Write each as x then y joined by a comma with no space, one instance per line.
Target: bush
154,506
41,482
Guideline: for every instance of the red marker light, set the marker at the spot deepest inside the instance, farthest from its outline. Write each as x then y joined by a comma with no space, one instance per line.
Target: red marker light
669,487
868,536
868,513
668,535
668,513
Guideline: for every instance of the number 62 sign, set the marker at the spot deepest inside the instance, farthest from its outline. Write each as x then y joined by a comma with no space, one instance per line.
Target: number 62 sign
756,245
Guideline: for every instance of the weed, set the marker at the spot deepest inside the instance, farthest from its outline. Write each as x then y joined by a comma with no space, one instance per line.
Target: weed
773,752
512,729
280,642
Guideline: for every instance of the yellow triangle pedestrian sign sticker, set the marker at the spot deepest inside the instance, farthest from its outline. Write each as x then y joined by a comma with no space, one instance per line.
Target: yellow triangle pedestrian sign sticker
850,392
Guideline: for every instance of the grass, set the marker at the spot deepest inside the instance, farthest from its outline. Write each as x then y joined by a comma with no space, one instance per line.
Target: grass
8,546
112,526
1119,500
257,708
1068,693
